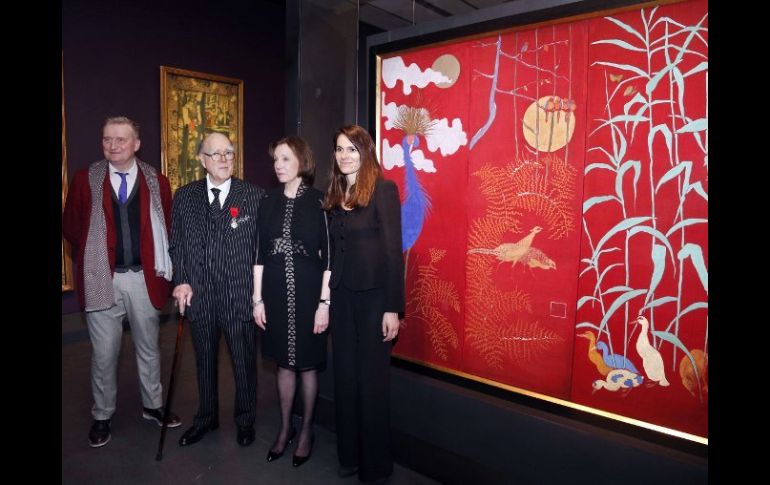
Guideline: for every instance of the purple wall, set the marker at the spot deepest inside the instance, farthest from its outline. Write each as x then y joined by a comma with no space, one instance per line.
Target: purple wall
112,57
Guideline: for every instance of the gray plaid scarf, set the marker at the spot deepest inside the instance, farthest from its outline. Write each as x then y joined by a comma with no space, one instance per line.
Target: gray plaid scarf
96,267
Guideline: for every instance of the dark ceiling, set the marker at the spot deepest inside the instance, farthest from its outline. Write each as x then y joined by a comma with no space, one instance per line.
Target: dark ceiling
394,14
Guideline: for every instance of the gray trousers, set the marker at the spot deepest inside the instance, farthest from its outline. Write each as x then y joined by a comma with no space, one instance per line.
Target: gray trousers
105,328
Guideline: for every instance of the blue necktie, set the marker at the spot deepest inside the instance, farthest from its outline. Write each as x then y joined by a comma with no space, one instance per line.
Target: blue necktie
123,190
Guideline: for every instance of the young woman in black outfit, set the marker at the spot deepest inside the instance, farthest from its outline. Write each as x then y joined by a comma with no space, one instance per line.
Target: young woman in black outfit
367,294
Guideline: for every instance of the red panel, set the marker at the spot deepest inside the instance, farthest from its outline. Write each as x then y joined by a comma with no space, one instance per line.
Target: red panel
651,204
435,282
524,207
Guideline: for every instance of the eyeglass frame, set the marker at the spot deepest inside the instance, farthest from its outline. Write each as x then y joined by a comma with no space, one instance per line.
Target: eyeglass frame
217,157
116,140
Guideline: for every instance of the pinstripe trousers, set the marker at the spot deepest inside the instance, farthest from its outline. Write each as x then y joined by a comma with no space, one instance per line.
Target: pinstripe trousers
241,339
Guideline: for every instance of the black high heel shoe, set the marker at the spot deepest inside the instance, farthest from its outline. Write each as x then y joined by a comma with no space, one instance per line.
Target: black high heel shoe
299,460
273,455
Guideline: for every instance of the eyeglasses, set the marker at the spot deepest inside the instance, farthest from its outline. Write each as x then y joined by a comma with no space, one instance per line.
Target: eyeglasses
348,150
217,157
108,140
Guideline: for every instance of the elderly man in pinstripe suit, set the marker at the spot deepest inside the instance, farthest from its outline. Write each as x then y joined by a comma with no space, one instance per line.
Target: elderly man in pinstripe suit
213,249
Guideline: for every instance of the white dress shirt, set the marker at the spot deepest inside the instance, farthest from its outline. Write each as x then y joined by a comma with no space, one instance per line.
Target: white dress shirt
130,179
225,188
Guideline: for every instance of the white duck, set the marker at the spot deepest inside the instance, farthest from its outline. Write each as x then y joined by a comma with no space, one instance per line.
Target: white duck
651,358
618,379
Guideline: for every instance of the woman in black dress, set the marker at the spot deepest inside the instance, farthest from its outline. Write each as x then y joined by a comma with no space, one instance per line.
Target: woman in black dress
291,287
367,293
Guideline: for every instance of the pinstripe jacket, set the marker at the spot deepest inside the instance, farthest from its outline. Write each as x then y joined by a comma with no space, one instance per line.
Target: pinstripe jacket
217,272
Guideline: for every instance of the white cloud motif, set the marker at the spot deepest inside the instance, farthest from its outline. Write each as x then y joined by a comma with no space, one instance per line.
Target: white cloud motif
394,69
448,138
422,163
389,112
393,156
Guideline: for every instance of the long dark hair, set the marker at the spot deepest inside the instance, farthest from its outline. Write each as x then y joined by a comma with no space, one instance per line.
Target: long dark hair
304,154
370,171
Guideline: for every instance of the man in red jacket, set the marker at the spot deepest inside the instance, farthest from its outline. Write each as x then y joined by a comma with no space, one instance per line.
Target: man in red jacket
117,218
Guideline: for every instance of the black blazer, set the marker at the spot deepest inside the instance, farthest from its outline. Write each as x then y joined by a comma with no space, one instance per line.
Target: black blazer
366,246
192,230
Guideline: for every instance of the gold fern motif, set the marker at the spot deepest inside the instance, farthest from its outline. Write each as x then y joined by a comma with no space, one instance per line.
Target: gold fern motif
430,300
496,323
525,341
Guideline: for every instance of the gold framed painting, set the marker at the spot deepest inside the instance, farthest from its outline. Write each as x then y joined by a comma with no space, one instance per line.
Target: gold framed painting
66,261
194,104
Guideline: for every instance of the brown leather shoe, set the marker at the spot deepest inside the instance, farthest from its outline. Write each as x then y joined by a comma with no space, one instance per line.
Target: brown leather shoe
157,416
100,433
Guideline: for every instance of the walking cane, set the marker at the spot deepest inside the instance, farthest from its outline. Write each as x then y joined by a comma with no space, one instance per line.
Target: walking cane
170,393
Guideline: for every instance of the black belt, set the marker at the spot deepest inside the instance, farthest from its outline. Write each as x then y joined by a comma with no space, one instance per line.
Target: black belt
126,269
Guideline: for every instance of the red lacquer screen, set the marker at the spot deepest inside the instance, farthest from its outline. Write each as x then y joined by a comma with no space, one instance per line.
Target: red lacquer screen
554,186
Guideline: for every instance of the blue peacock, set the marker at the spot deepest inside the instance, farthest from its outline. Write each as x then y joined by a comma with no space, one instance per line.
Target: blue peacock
413,121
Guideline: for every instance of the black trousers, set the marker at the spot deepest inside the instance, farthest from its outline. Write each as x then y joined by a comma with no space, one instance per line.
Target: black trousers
241,339
361,381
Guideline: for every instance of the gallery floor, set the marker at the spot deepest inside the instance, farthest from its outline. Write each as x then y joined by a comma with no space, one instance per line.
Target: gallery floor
129,458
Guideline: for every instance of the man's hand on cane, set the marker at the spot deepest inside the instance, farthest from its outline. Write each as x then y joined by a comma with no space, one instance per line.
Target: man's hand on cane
182,297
